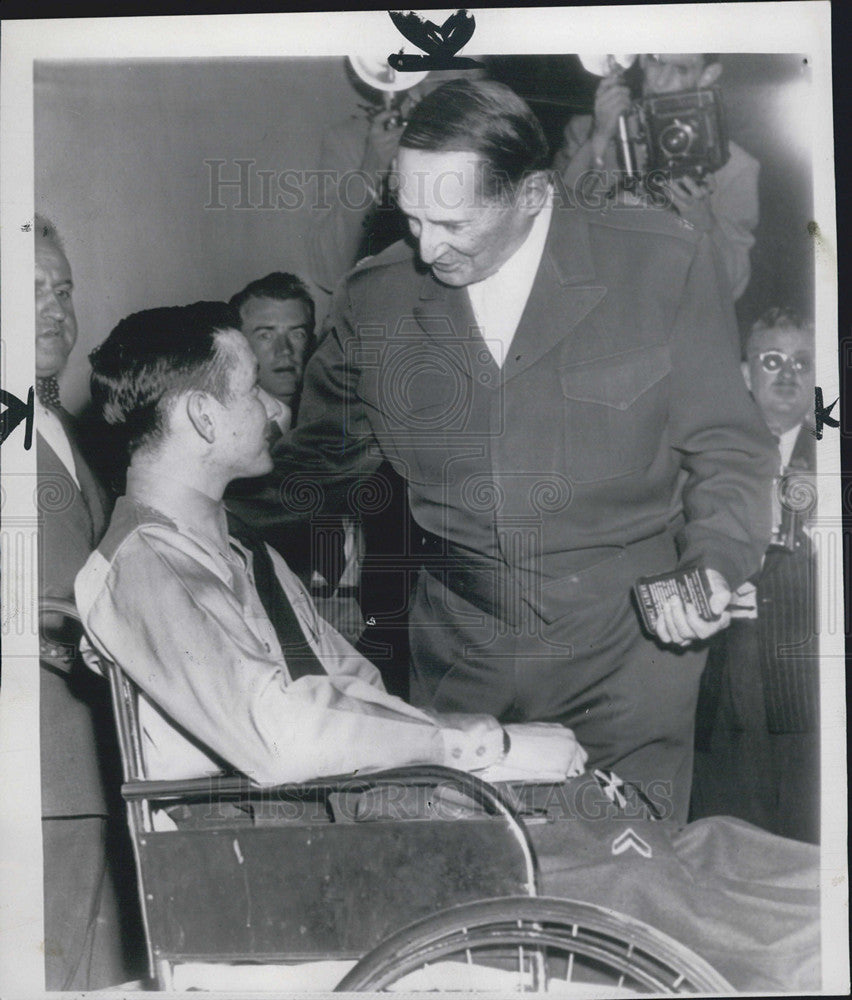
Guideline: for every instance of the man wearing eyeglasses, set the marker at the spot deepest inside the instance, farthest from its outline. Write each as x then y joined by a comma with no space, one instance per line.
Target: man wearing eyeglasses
758,732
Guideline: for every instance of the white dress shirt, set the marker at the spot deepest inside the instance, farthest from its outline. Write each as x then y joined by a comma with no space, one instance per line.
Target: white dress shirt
786,444
51,429
498,301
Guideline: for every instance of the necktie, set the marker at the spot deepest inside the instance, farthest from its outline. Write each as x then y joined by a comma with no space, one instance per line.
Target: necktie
300,658
273,432
47,390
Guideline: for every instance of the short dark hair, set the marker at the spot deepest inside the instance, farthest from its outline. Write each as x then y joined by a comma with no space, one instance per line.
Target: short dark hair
45,231
779,318
486,118
153,356
278,285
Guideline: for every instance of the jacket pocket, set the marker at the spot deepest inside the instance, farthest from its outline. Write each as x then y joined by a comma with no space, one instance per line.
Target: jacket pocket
615,412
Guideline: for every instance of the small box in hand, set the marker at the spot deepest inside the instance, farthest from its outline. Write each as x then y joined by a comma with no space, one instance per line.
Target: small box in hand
692,585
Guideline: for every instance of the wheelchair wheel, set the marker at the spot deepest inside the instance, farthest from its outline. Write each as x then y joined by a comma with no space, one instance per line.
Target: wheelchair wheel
533,944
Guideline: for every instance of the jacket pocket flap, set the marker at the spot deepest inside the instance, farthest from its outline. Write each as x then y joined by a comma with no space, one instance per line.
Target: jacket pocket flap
618,380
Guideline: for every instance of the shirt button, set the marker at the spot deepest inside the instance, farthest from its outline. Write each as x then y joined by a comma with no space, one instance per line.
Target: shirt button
480,751
457,752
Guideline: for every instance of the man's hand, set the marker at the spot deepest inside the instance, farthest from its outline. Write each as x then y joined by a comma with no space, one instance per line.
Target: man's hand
691,198
538,751
680,624
611,100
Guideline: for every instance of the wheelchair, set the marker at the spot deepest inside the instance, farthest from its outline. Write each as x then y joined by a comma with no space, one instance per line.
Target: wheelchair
294,883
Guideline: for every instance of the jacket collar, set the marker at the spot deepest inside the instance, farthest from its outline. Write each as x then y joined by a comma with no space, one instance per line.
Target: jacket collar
564,292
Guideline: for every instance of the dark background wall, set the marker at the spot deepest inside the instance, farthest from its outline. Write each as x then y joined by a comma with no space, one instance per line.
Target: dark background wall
120,151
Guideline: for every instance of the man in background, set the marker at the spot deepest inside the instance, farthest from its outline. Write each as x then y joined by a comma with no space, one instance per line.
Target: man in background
723,204
757,752
277,318
83,825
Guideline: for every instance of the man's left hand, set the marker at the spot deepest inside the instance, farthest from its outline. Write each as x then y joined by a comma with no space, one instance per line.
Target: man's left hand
679,624
691,198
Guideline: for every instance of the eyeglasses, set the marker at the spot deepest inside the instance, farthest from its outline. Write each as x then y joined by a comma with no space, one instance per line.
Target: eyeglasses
774,361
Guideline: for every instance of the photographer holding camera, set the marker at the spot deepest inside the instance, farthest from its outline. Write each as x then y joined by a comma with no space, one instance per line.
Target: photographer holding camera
722,203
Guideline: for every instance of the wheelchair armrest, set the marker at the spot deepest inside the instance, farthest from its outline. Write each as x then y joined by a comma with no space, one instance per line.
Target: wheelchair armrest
491,799
214,787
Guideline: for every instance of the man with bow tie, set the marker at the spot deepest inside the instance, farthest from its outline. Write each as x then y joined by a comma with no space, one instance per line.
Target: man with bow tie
82,831
758,721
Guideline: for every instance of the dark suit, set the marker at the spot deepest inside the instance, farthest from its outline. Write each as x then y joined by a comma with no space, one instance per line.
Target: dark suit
544,489
757,745
84,840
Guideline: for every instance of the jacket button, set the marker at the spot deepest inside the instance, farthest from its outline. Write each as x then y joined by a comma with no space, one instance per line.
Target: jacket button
457,752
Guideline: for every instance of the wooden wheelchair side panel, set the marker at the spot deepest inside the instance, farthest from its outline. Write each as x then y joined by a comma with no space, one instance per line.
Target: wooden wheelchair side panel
315,891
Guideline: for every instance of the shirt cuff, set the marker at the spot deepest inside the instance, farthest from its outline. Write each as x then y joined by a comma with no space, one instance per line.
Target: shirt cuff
475,748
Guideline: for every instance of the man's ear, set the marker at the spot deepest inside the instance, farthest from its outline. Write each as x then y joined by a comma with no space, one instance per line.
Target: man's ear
198,410
711,73
534,191
744,367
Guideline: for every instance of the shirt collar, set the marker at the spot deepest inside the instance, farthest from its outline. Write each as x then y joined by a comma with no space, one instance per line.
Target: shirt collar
195,512
520,269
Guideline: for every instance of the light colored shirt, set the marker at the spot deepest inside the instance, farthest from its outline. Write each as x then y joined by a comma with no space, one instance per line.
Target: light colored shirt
786,444
51,429
498,301
177,609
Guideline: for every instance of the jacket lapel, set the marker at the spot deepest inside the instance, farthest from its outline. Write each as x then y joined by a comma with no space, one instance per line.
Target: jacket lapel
563,294
804,450
93,494
445,315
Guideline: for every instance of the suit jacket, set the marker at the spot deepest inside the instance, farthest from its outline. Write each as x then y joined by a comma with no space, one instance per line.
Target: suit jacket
788,620
76,724
619,413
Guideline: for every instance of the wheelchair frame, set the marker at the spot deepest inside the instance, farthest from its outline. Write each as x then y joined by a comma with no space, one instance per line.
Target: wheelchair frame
439,873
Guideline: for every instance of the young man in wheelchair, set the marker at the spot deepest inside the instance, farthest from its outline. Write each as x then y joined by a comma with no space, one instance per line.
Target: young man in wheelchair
235,670
233,664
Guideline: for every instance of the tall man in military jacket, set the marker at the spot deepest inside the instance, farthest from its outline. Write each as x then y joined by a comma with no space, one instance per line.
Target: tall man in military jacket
561,391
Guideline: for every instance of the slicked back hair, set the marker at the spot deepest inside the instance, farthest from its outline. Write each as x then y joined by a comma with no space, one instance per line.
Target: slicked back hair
153,356
279,285
485,118
779,318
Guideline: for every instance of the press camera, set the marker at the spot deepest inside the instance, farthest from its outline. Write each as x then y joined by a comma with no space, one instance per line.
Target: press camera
684,133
